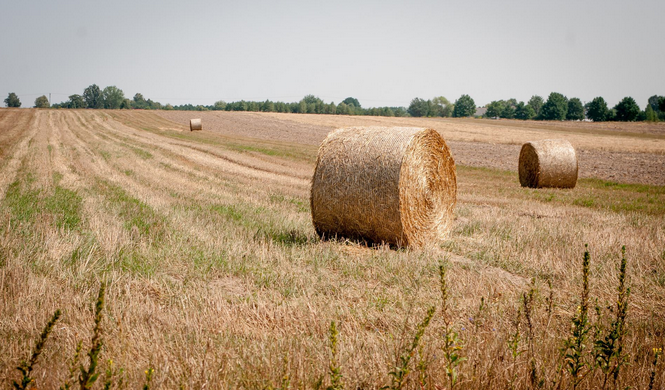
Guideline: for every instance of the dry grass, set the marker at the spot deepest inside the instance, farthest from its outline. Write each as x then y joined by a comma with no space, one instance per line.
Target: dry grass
215,276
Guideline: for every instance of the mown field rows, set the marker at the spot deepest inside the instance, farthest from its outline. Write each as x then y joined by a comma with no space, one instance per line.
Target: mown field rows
215,277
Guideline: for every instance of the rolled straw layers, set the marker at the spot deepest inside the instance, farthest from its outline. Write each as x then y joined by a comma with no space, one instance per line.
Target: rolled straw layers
548,163
394,185
195,124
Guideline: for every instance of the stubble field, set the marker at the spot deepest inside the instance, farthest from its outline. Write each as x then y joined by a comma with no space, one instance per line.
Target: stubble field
215,277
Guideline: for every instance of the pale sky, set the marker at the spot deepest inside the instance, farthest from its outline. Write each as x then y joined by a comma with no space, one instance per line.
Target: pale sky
384,53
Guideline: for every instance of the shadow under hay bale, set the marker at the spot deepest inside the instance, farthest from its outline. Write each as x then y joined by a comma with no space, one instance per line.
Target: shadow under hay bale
548,163
195,124
393,185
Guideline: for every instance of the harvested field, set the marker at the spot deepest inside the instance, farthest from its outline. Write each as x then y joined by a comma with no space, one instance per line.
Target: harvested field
216,278
609,151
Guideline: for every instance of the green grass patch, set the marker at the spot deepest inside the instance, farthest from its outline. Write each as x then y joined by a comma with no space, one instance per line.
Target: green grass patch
25,204
136,214
589,193
65,205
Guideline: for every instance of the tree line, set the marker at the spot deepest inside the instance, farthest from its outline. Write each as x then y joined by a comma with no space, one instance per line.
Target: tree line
556,107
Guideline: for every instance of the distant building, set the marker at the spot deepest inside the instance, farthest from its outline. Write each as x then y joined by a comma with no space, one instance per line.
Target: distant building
480,111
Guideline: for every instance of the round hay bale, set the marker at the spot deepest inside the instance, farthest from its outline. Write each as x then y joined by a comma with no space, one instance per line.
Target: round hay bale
548,163
394,185
195,124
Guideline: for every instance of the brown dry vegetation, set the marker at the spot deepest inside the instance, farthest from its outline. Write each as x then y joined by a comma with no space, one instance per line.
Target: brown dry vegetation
216,278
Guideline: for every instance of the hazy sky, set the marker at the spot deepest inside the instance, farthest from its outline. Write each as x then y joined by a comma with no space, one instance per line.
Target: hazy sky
384,53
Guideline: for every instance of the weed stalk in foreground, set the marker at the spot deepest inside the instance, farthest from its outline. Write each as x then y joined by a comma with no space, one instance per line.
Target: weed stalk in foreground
402,369
452,342
88,376
335,370
575,344
608,352
26,367
652,378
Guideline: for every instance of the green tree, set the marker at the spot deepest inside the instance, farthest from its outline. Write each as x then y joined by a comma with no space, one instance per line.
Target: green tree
343,109
651,115
536,102
464,107
419,107
627,110
653,102
113,97
139,102
351,101
76,101
555,108
575,110
219,105
12,100
443,106
524,111
508,111
42,102
596,110
494,109
93,97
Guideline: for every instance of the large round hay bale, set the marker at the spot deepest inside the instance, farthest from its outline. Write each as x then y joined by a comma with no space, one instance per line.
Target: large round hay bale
195,124
548,163
394,185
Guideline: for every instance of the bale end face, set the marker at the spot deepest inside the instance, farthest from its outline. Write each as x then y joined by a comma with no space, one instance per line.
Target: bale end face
550,163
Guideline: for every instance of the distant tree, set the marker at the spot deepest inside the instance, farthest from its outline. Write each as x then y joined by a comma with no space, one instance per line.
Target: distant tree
419,107
464,107
219,105
113,97
494,109
596,110
42,102
508,111
536,102
575,110
93,97
12,100
650,114
311,99
127,104
139,102
158,106
443,107
168,107
627,110
524,111
351,101
268,106
555,108
76,101
653,102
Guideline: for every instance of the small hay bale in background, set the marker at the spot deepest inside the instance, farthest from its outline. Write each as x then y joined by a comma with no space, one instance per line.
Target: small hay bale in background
195,124
548,163
394,185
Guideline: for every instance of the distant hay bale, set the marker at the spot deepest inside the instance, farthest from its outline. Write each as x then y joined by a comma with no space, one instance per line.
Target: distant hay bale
394,185
548,163
195,124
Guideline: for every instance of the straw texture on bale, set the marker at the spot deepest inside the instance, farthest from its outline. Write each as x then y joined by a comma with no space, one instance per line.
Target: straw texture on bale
548,163
195,124
394,185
